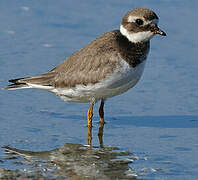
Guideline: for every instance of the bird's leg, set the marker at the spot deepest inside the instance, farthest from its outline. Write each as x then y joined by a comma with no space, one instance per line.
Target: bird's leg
90,115
100,134
89,135
89,128
101,112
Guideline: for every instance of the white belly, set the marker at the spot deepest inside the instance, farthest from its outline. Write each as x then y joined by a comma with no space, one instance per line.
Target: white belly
119,82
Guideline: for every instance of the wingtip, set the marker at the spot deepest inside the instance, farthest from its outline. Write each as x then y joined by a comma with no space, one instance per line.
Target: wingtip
14,80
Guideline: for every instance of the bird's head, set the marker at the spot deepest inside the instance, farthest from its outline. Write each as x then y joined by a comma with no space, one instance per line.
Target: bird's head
140,25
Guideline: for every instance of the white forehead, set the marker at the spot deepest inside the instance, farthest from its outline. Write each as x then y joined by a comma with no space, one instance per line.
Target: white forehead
133,19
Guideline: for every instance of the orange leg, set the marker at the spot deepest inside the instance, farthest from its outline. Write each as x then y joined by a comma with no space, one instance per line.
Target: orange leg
89,135
101,112
100,134
90,115
89,128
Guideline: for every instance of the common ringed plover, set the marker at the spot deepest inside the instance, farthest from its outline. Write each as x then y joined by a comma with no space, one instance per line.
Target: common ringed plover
108,66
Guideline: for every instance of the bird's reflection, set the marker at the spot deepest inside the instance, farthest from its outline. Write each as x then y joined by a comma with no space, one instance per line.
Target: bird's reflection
76,161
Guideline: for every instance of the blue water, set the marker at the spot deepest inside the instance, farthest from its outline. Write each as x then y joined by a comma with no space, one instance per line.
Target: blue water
158,119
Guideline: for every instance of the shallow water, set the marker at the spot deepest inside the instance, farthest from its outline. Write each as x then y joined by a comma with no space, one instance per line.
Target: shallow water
157,121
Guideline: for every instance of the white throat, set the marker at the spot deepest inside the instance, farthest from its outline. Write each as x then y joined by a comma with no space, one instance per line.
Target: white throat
136,37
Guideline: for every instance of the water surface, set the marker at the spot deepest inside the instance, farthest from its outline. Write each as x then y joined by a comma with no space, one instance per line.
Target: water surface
156,121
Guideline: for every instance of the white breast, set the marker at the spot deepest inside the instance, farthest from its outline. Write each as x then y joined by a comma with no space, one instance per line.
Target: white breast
124,79
119,82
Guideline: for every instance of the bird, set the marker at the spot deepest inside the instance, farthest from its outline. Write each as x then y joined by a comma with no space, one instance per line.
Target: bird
108,66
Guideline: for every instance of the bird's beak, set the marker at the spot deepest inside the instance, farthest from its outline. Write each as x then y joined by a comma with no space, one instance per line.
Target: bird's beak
157,30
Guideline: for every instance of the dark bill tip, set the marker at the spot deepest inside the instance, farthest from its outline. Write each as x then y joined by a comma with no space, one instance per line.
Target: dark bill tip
160,32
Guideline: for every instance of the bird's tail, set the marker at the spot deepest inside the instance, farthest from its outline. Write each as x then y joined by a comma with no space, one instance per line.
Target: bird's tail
16,84
39,82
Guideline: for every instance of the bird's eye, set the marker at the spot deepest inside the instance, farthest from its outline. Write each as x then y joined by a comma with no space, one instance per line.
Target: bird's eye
139,22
